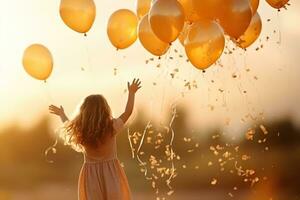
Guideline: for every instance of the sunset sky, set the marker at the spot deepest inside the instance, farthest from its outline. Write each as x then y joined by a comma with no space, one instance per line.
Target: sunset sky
24,100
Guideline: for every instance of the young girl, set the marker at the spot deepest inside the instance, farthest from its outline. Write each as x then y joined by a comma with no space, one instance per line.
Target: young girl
94,131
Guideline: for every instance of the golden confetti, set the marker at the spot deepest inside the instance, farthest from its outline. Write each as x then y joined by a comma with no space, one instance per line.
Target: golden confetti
263,129
214,181
245,157
250,134
170,192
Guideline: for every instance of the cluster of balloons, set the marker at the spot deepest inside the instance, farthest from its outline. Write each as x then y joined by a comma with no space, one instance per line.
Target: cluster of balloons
79,15
199,25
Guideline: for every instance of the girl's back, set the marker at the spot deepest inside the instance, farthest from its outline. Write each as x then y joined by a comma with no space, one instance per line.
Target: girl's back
101,176
107,149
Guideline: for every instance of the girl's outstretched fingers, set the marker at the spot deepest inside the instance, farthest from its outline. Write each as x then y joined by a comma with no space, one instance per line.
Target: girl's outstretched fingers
56,110
59,111
134,86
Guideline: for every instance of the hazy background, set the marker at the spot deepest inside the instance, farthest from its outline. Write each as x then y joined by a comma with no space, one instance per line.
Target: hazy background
265,91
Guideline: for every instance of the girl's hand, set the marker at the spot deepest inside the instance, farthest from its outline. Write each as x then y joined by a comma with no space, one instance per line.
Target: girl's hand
132,89
134,86
59,111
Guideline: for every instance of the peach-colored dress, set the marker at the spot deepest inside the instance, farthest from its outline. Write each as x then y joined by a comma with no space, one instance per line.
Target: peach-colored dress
101,176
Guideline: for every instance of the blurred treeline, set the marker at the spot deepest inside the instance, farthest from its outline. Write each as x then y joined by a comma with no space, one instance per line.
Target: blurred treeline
23,164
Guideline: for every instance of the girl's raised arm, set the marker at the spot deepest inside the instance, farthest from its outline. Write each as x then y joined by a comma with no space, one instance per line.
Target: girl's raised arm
59,111
132,89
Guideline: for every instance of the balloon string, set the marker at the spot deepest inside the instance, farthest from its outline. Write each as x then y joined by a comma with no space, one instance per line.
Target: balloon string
164,86
279,29
130,143
51,148
47,91
258,96
87,52
139,148
174,113
89,61
241,87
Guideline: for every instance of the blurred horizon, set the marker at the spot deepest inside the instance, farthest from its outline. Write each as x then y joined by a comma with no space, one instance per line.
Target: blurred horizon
271,157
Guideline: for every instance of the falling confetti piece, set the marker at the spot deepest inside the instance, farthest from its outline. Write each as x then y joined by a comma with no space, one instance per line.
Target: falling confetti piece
250,134
214,181
245,157
170,192
263,129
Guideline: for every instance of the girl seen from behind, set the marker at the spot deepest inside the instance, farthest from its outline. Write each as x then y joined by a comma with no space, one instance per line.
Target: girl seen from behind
93,131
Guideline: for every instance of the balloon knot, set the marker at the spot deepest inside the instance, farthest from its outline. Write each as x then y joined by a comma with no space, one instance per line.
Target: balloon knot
85,35
45,81
159,57
203,71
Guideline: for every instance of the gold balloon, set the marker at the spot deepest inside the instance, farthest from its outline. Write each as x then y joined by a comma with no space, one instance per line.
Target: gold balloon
149,40
254,5
79,15
122,28
190,11
208,9
195,10
205,43
252,33
277,3
167,19
235,17
37,61
183,35
142,8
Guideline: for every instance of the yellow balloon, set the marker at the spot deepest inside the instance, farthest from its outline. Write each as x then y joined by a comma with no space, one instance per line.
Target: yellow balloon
205,43
254,5
149,40
183,35
38,62
142,8
235,17
167,19
252,33
277,3
79,15
122,28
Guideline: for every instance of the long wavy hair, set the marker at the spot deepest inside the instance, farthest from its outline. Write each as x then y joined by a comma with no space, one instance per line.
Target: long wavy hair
91,125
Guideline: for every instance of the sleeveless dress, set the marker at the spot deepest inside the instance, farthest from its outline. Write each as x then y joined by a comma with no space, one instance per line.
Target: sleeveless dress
101,176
